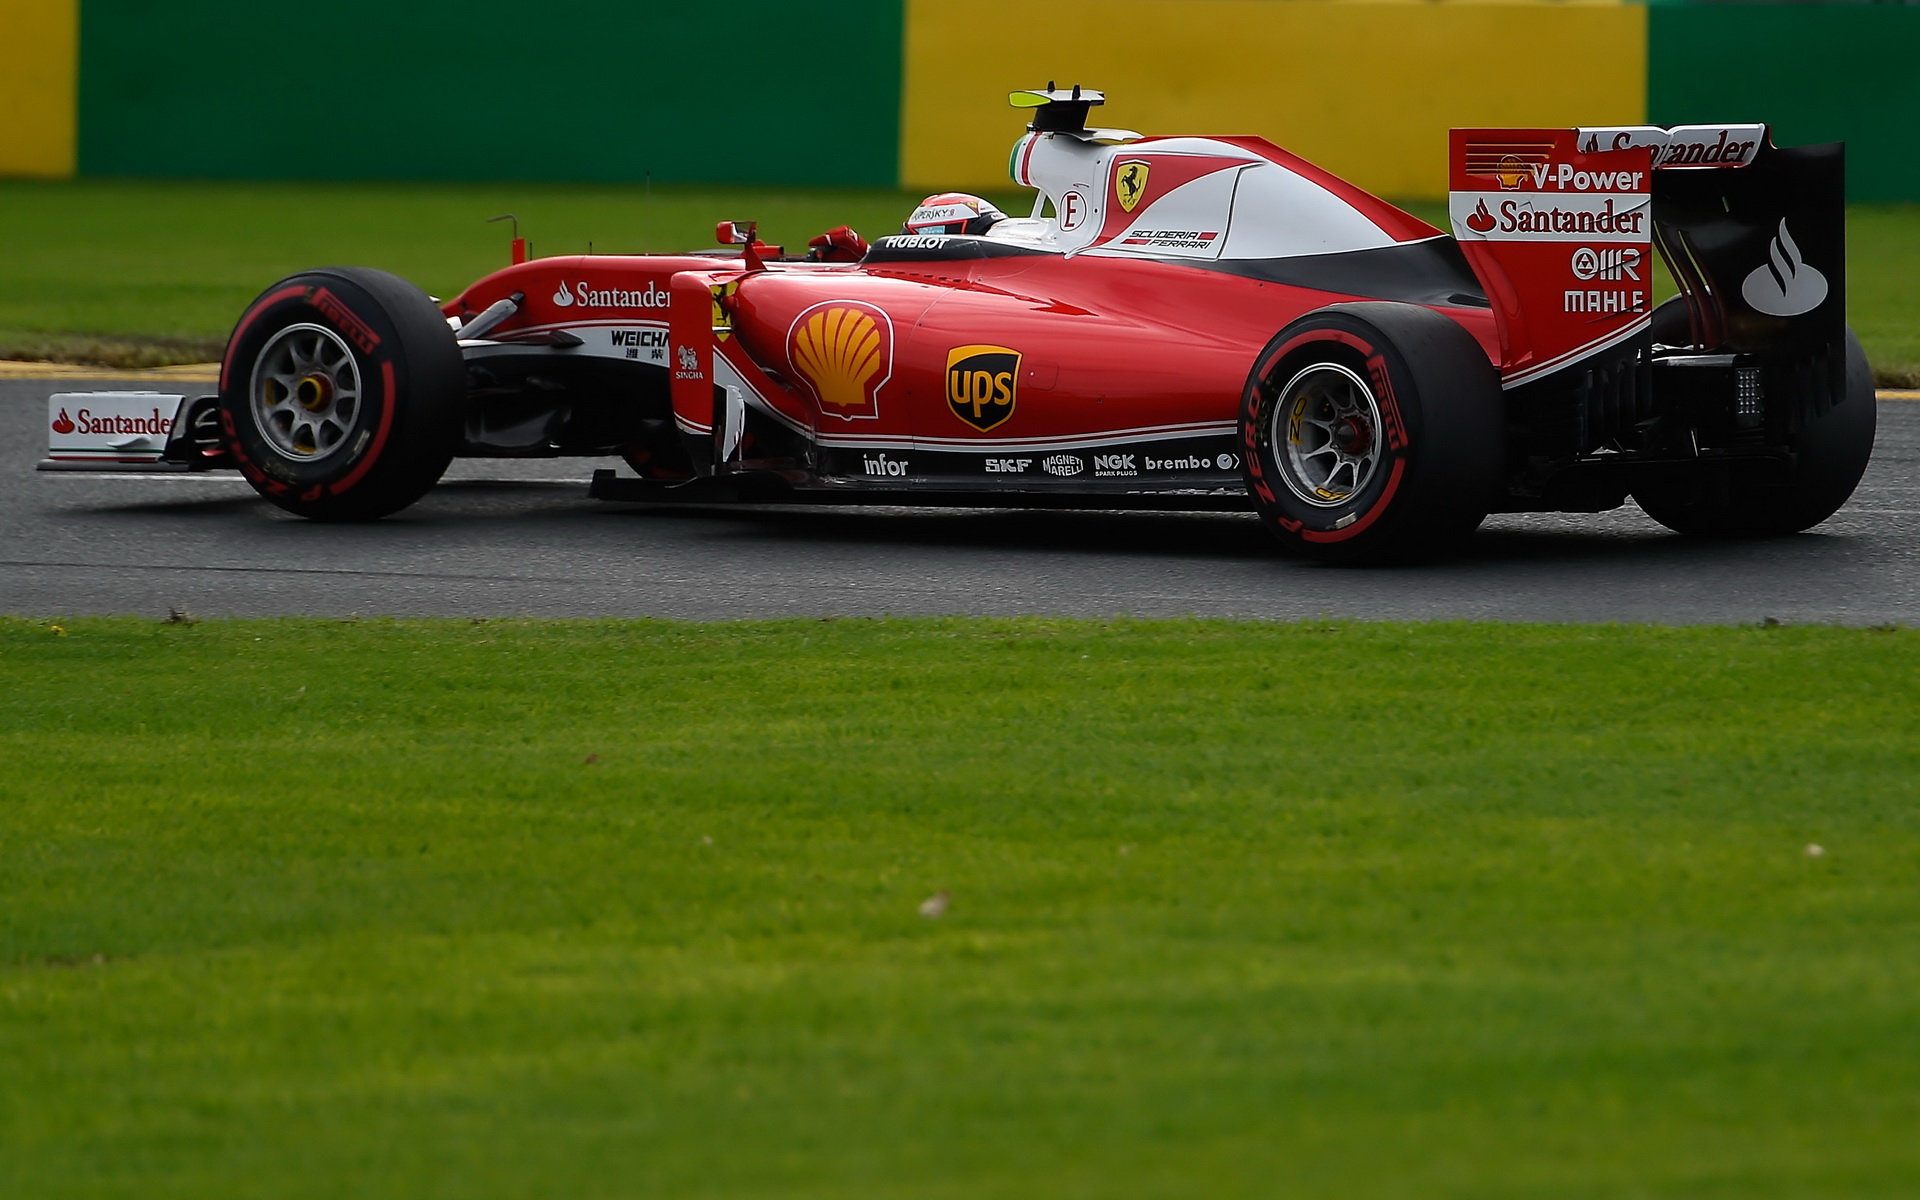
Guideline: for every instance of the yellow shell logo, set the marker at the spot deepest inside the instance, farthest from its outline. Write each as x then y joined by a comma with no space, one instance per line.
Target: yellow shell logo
844,350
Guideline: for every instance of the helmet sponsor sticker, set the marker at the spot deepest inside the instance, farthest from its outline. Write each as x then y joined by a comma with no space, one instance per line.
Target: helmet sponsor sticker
952,212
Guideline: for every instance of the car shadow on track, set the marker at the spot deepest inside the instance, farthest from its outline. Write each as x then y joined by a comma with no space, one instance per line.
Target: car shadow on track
210,506
558,512
1649,547
1557,541
1184,535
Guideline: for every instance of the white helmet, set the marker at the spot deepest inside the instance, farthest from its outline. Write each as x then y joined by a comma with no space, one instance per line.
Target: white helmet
953,212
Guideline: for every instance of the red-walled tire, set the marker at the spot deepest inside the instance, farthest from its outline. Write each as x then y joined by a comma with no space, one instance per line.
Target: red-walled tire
341,394
1373,432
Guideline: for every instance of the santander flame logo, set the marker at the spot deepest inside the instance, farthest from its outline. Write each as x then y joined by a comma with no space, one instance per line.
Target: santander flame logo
1784,285
63,423
1481,221
562,298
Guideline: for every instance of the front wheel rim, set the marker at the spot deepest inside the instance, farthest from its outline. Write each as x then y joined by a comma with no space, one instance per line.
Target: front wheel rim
1327,435
305,392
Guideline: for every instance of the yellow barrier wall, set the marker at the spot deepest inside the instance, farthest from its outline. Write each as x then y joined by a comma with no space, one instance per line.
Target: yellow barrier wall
39,50
1367,91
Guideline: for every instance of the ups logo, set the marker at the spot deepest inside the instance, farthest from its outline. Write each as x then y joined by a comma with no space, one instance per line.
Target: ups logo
983,383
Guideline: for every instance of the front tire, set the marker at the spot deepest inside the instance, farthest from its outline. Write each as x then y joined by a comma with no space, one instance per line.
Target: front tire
1372,432
1830,454
341,394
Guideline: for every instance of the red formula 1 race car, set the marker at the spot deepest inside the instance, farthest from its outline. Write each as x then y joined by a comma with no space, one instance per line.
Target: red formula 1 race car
1182,322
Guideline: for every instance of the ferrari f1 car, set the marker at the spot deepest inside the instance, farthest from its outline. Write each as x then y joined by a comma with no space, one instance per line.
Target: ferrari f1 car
1181,322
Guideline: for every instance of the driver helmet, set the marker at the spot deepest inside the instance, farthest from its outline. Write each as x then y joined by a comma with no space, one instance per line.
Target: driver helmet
953,212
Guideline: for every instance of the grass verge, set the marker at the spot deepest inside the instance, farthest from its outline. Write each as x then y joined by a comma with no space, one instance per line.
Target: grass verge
140,273
472,909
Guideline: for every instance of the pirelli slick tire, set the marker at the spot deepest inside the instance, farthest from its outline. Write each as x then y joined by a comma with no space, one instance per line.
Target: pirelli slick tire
341,394
1830,455
1373,432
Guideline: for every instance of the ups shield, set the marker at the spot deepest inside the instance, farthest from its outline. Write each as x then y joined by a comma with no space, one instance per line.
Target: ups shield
983,384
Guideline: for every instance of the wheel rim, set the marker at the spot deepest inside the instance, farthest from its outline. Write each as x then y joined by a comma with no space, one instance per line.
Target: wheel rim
306,392
1326,435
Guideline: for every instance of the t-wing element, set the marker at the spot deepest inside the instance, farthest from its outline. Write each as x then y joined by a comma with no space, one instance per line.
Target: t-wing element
1058,110
1064,111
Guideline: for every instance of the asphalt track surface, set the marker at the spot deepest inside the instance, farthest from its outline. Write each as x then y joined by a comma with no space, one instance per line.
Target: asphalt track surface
521,538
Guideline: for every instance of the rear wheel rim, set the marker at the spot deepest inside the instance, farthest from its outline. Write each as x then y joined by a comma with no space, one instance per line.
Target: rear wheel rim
1326,434
305,392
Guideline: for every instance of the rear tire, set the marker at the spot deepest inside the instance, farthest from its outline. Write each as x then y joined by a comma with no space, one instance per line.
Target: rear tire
1373,432
1830,456
341,394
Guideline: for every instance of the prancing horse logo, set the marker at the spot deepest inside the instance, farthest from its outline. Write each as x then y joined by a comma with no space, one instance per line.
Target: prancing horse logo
1130,183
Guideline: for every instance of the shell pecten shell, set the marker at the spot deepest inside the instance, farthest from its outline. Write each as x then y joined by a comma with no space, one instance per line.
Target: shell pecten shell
839,349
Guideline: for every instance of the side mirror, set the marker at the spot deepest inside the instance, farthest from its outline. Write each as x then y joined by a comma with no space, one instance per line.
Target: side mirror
736,233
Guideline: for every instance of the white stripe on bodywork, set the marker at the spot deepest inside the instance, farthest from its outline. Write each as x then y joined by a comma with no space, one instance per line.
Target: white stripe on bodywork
1575,355
1065,441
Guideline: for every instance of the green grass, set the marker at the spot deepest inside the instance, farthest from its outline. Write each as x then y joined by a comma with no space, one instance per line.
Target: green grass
137,273
134,261
1883,289
606,909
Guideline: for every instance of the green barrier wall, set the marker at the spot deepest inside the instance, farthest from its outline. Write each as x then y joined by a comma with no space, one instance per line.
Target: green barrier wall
809,93
591,90
1819,73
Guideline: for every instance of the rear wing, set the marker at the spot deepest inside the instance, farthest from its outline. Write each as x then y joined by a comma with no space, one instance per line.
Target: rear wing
1561,224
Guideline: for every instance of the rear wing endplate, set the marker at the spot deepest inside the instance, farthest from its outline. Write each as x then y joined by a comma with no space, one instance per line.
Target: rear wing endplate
1560,225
